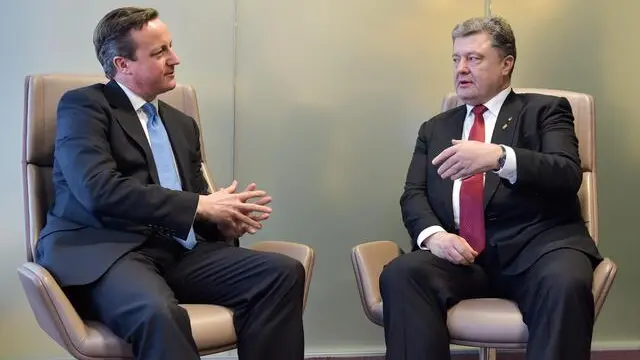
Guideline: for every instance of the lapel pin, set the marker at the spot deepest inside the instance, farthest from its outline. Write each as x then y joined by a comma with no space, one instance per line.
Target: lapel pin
507,123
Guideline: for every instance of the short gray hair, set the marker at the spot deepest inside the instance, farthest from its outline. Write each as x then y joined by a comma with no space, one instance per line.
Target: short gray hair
498,28
112,35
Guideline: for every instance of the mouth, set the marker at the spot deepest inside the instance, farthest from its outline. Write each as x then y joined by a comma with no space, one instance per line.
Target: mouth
464,83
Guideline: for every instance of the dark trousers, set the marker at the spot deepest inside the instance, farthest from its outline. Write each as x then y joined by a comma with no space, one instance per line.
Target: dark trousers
554,296
137,298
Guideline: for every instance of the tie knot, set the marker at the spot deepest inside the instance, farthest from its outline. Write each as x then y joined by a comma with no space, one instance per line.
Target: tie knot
150,110
479,110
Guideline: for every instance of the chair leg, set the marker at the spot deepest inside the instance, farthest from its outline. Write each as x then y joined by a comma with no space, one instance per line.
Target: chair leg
488,354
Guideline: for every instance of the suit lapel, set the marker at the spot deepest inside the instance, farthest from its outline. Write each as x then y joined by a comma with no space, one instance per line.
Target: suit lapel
128,119
450,132
177,142
503,133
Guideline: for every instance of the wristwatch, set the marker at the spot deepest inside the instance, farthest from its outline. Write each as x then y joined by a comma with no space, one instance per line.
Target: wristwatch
501,159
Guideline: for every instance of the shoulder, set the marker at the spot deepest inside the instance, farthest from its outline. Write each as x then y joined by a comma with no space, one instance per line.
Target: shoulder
542,101
444,118
170,112
91,93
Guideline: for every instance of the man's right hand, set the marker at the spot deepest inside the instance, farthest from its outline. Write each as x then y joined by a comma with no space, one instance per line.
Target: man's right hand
227,207
451,247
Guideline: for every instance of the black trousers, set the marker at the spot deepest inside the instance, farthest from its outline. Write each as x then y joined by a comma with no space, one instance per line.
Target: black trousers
554,296
137,298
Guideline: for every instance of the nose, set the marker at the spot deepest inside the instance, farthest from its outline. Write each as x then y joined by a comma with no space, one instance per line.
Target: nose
173,59
462,66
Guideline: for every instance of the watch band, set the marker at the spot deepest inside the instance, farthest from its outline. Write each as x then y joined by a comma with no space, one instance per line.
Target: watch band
502,158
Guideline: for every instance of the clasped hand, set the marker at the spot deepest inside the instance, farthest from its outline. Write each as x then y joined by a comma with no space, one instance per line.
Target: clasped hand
232,212
466,158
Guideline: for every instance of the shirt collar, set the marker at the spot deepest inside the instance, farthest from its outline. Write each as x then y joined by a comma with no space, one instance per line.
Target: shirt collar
136,101
494,104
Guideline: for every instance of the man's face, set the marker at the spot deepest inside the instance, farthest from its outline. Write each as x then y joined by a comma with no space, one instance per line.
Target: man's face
480,71
152,73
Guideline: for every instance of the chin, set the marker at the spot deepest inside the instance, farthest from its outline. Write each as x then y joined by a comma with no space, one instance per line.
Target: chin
465,95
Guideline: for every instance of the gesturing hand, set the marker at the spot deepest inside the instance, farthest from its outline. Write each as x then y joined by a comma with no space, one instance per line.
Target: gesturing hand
466,158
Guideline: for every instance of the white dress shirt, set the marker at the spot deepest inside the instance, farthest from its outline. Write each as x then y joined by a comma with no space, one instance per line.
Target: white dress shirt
508,171
137,102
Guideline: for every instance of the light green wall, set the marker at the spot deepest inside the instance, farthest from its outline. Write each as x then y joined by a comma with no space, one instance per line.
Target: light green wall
329,97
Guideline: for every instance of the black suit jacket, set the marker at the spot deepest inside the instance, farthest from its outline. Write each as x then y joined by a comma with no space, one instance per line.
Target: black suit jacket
108,198
537,214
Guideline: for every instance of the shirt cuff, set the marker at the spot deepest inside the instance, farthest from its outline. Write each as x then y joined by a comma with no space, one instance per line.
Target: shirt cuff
424,234
510,169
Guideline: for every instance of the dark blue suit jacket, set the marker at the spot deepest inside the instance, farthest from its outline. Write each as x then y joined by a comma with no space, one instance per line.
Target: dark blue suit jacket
537,214
107,194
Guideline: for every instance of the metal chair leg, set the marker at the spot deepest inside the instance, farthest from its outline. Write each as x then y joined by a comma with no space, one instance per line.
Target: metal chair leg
488,354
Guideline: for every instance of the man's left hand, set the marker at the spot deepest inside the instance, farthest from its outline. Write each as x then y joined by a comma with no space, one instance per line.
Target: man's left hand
466,158
237,229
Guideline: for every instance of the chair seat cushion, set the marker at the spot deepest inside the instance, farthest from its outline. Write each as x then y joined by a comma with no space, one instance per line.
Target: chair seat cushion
101,342
487,321
204,318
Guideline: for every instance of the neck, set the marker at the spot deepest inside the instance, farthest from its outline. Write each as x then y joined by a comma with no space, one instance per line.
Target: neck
132,86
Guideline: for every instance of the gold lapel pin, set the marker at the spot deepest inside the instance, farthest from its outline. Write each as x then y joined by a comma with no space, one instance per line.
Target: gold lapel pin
507,123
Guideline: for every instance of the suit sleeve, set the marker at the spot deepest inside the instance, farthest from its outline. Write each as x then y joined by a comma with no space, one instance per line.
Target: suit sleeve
83,153
416,210
200,183
555,169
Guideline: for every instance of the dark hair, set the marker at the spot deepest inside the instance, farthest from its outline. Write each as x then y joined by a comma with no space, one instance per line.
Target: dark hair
502,37
112,35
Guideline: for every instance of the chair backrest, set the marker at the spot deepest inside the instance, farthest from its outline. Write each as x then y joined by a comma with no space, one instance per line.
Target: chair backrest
42,94
584,113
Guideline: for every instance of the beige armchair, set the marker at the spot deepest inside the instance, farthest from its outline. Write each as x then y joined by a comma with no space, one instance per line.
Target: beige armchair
212,325
490,324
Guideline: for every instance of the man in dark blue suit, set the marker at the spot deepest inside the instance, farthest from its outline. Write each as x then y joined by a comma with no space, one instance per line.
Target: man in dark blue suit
133,230
491,205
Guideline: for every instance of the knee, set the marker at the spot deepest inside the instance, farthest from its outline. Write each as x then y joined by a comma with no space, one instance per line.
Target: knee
568,285
286,268
398,271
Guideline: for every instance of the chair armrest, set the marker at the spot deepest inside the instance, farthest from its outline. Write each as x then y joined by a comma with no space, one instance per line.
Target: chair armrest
51,307
303,253
603,278
368,261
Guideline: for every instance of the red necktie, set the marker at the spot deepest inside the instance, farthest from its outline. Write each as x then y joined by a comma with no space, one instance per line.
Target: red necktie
472,193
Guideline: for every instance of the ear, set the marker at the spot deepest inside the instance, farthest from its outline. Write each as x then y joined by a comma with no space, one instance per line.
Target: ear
121,64
507,65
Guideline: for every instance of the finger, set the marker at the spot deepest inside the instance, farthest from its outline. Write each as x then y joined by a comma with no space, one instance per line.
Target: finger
251,230
263,201
249,207
244,196
248,221
444,155
454,255
231,188
250,187
449,167
463,247
259,216
456,142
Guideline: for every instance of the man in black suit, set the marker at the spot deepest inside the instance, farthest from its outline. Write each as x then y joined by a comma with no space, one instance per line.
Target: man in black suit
491,205
134,230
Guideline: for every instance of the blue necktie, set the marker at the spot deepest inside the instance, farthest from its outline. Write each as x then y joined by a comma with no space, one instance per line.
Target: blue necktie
163,156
